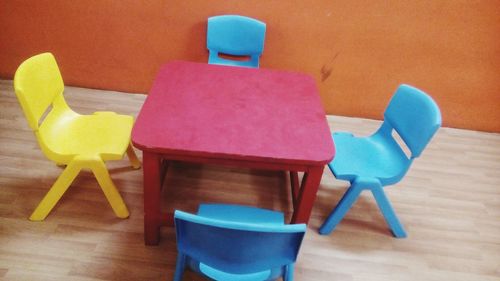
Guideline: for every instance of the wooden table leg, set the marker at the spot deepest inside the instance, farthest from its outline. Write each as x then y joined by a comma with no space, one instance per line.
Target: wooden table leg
163,171
307,195
152,197
294,183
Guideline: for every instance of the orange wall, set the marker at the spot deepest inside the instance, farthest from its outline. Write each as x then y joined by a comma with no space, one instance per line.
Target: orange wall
358,51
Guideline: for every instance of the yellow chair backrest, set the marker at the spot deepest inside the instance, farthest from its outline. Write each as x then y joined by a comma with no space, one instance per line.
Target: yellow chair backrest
37,89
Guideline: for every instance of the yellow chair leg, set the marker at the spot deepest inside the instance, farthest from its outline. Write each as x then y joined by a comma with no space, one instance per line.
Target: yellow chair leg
56,192
132,157
115,200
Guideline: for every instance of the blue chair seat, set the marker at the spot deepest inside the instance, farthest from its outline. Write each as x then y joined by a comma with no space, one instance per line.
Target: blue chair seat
373,157
215,274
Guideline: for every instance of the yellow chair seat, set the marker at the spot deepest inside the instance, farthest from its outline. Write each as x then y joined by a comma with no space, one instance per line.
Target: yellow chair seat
104,134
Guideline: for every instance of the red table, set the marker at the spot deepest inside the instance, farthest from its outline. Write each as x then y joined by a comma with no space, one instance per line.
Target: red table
256,118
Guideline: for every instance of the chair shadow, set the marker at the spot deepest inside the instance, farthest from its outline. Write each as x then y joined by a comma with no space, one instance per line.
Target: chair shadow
111,170
191,184
84,188
117,170
365,205
183,187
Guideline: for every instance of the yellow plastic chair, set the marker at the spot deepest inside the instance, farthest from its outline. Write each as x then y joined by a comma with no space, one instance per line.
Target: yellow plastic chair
68,138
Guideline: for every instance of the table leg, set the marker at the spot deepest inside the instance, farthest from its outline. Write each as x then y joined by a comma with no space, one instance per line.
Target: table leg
152,197
294,183
307,195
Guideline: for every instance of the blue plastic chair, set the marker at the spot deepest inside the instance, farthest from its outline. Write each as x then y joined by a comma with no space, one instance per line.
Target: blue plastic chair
378,160
236,36
230,242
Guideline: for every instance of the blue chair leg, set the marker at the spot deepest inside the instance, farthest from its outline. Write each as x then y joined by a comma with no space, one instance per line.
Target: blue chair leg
388,212
341,209
179,267
288,273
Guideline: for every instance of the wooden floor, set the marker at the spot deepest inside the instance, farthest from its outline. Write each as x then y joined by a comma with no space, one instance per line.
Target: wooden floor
449,203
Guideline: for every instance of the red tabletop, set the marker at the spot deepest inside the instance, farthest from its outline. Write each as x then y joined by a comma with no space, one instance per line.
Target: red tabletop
236,113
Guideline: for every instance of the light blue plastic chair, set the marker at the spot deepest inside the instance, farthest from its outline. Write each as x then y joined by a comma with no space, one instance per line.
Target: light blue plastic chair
231,242
236,36
378,160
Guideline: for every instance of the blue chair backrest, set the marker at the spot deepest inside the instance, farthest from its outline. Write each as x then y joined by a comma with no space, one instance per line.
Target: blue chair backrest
235,35
237,247
415,116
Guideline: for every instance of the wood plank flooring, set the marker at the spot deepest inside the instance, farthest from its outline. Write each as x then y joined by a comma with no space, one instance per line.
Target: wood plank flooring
449,203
